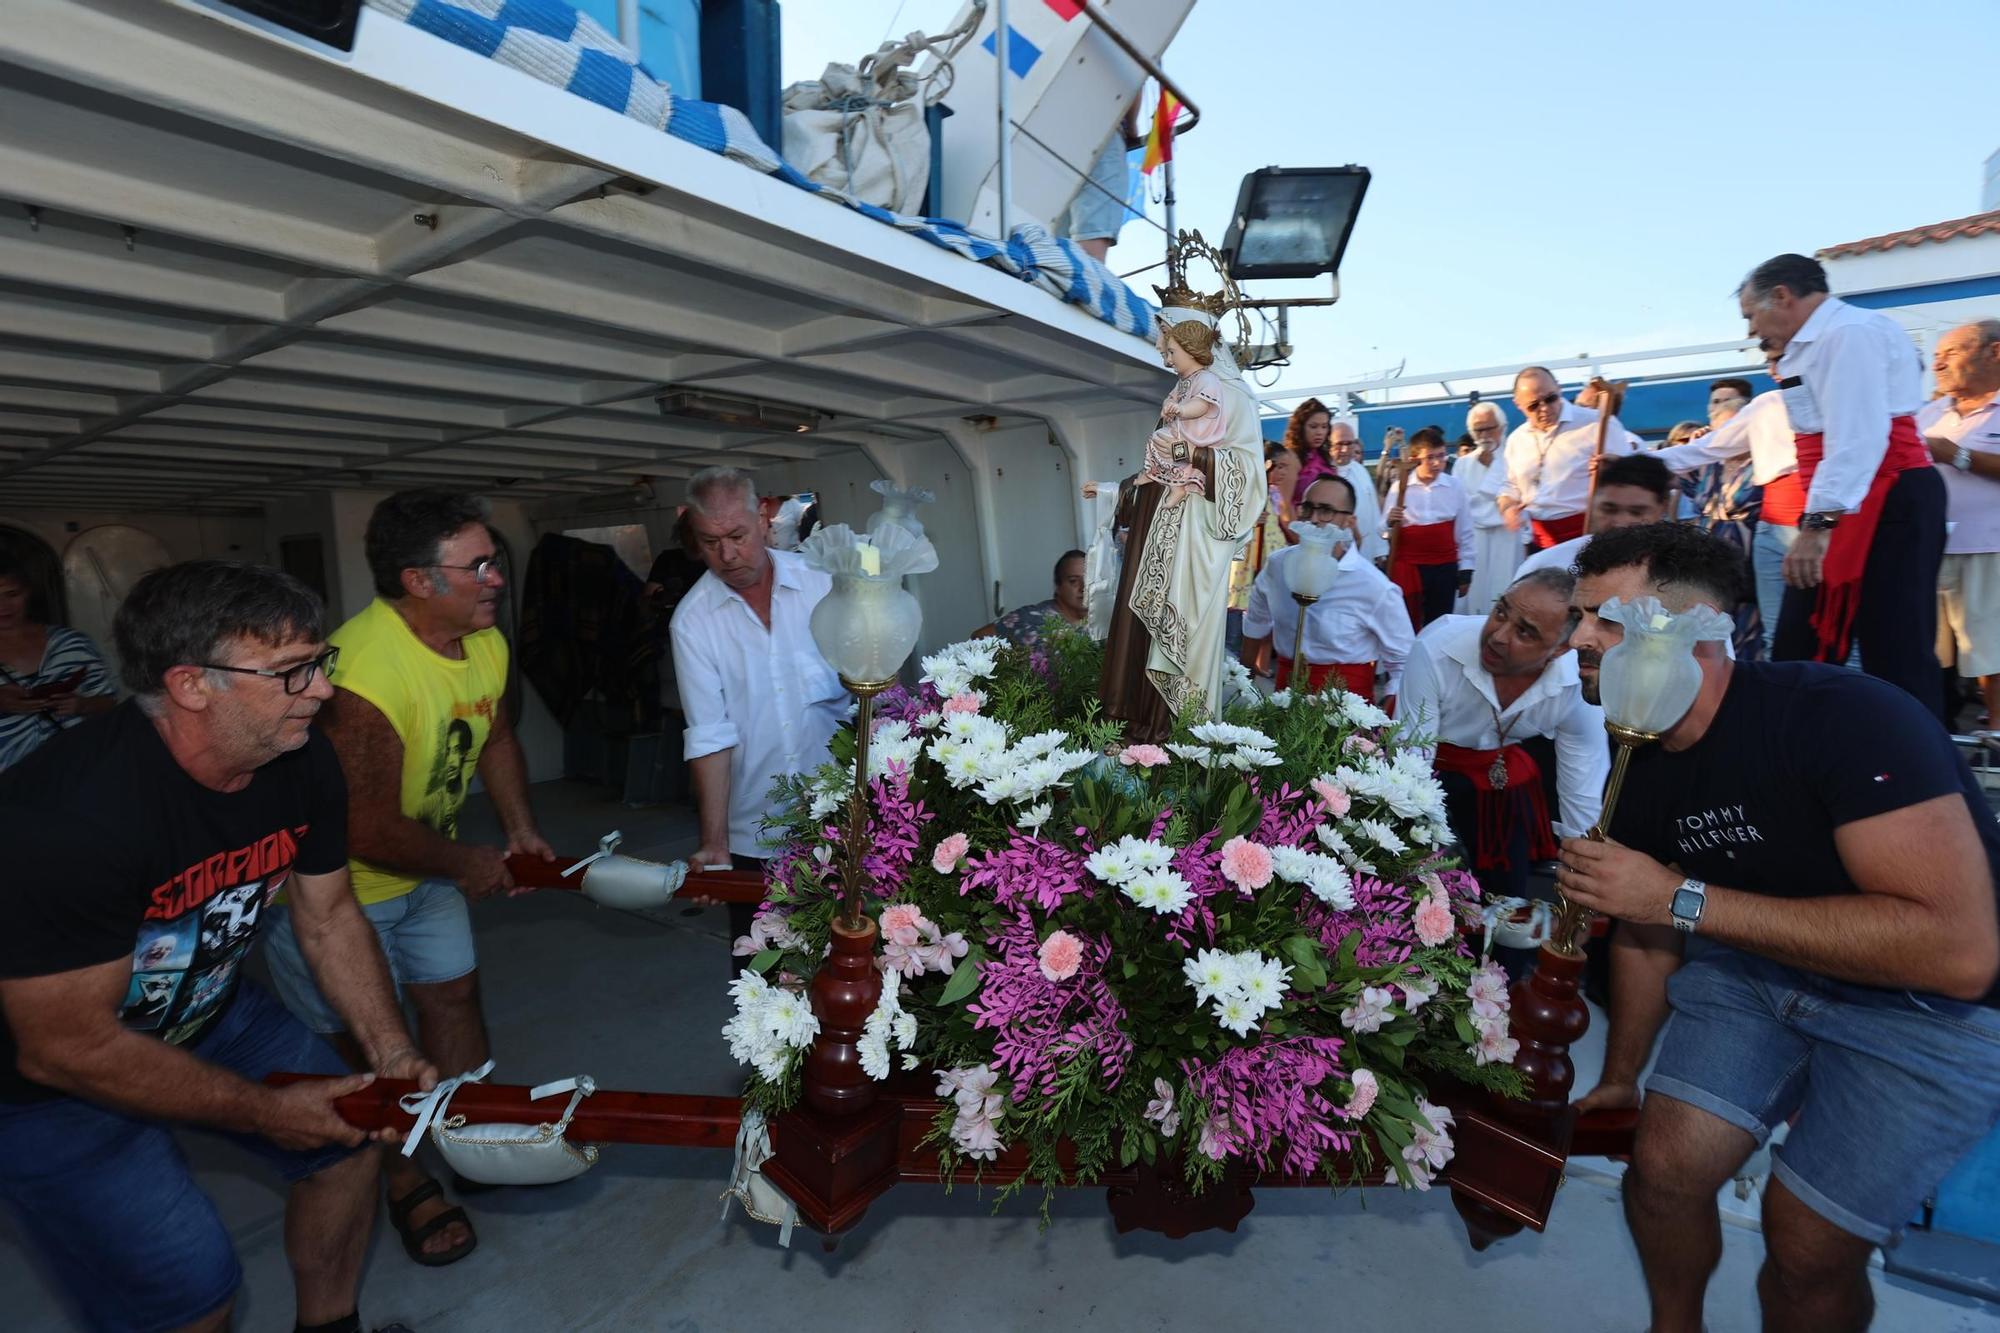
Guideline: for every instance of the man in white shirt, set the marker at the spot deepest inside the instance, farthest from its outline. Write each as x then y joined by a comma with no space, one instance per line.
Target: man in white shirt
1496,548
1962,429
1345,447
1432,525
1547,476
1760,430
1633,490
1873,527
760,701
1356,632
1481,687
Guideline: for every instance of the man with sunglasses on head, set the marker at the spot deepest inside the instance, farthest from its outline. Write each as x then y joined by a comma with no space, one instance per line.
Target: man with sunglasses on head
417,706
1356,632
142,851
1547,474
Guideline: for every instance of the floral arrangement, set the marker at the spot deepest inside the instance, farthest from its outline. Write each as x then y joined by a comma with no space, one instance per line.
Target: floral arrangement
1241,947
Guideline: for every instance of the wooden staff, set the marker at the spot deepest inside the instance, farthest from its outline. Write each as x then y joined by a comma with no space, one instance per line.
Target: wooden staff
1610,397
1403,466
672,1119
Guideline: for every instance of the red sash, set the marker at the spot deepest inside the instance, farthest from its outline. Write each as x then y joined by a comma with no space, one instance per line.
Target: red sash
1358,677
1417,546
1555,531
1784,501
1847,549
1500,809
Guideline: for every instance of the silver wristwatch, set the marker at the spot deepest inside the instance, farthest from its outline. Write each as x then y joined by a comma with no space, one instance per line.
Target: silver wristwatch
1687,902
1962,460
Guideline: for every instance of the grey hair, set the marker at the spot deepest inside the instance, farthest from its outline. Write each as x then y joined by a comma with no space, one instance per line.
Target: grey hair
1561,582
706,487
1797,274
1989,331
187,614
1478,409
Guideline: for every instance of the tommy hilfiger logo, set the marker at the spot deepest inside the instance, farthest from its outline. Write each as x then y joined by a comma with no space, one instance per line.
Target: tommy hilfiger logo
1713,828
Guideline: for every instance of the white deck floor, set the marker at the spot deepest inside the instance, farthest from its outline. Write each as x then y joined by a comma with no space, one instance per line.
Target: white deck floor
638,1243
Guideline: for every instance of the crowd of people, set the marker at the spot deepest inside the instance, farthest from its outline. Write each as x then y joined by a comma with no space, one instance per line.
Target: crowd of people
1802,873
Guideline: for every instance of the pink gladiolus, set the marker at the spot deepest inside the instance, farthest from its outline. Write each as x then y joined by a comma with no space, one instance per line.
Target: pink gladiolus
1365,1092
1246,864
950,853
1333,796
1145,756
1433,921
969,702
1060,955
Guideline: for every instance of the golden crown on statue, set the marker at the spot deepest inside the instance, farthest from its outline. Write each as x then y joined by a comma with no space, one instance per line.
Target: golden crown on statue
1177,294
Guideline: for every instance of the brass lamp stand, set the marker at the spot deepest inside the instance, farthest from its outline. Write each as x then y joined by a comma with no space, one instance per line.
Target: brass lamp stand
1301,672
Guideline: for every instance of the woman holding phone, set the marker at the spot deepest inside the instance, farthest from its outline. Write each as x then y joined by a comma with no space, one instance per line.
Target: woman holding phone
51,676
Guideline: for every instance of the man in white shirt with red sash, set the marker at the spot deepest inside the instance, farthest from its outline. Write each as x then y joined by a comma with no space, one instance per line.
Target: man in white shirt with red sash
1481,686
1962,430
1873,529
1496,548
1547,476
1434,547
1357,631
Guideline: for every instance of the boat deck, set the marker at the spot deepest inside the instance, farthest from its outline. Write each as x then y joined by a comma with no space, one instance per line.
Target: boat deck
640,1242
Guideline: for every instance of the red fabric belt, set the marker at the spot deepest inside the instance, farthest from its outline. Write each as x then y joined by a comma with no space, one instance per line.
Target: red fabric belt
1418,546
1501,809
1358,677
1847,549
1784,501
1555,531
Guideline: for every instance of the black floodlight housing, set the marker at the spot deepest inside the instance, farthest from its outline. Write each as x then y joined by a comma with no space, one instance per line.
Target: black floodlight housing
1293,222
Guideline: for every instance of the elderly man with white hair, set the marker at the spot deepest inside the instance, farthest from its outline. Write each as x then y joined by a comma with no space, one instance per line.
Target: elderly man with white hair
1497,548
1344,443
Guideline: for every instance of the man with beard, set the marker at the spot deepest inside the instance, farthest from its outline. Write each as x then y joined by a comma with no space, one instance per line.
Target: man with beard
1873,531
1844,980
417,701
1483,685
1547,476
178,806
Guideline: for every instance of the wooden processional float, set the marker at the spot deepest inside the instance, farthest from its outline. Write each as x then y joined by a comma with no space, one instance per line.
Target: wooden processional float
850,1140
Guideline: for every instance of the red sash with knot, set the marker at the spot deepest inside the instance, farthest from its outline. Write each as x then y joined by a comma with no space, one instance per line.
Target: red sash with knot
1417,546
1555,531
1502,807
1847,549
1358,677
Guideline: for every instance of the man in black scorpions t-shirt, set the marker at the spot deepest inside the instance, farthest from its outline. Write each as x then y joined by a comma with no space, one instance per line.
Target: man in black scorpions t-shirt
142,851
1812,838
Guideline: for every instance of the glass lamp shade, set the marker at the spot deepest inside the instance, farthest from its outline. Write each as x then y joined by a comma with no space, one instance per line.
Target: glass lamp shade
1310,569
1649,681
866,627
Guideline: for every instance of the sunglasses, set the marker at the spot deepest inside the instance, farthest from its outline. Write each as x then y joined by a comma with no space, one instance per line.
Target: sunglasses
1546,400
297,679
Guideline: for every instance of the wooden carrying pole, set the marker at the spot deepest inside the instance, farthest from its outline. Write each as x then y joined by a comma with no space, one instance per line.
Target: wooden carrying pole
1610,397
671,1119
703,886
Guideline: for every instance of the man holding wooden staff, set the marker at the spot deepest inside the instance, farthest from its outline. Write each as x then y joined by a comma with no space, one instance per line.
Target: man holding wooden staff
1430,531
1872,537
1547,474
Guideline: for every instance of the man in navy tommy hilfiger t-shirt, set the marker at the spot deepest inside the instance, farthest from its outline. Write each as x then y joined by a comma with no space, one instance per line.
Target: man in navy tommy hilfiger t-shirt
1812,838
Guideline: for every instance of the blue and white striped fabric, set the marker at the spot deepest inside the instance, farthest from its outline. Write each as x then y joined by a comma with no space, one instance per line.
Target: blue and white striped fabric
67,653
549,40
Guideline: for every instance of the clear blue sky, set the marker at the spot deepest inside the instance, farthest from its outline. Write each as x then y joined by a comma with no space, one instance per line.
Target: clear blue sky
1560,178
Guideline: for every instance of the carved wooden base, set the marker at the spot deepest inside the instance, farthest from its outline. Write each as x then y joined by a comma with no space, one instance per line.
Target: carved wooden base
844,992
833,1167
1159,1200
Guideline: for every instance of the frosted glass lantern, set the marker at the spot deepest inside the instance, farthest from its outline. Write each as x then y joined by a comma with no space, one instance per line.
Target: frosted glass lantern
1310,570
866,627
1649,681
899,508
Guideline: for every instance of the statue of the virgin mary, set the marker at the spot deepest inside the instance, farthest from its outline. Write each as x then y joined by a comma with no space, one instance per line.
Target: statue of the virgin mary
1199,493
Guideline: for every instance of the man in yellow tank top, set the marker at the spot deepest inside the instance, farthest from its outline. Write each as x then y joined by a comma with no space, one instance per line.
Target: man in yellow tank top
417,713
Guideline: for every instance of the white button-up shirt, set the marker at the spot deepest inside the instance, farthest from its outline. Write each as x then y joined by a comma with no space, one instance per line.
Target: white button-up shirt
1440,501
1448,695
1472,474
1761,429
1367,510
1560,556
1550,474
1361,618
1856,369
766,695
1972,502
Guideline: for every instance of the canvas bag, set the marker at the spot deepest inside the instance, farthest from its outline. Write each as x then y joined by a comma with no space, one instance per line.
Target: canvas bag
501,1154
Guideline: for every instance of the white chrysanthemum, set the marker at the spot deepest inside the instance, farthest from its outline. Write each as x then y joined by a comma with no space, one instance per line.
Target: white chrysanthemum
1194,754
1292,864
824,803
1111,864
1034,816
1237,1014
1039,744
927,721
962,768
1382,836
905,1029
1281,699
1163,891
1362,712
1331,884
1255,756
1145,854
1211,972
874,1050
1227,733
1262,983
772,1062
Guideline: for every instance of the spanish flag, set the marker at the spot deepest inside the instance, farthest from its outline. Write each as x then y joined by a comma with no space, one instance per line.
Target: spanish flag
1160,141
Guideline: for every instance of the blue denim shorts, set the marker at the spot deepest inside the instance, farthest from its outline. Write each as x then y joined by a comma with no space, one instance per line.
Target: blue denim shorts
426,935
107,1199
1889,1088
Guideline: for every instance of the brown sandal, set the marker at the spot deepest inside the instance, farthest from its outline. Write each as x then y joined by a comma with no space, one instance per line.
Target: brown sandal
414,1237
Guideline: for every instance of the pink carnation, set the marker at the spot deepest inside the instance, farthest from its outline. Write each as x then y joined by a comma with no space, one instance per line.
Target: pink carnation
1145,756
1365,1090
1434,922
1246,864
969,702
901,922
1333,796
1361,744
1060,955
950,853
